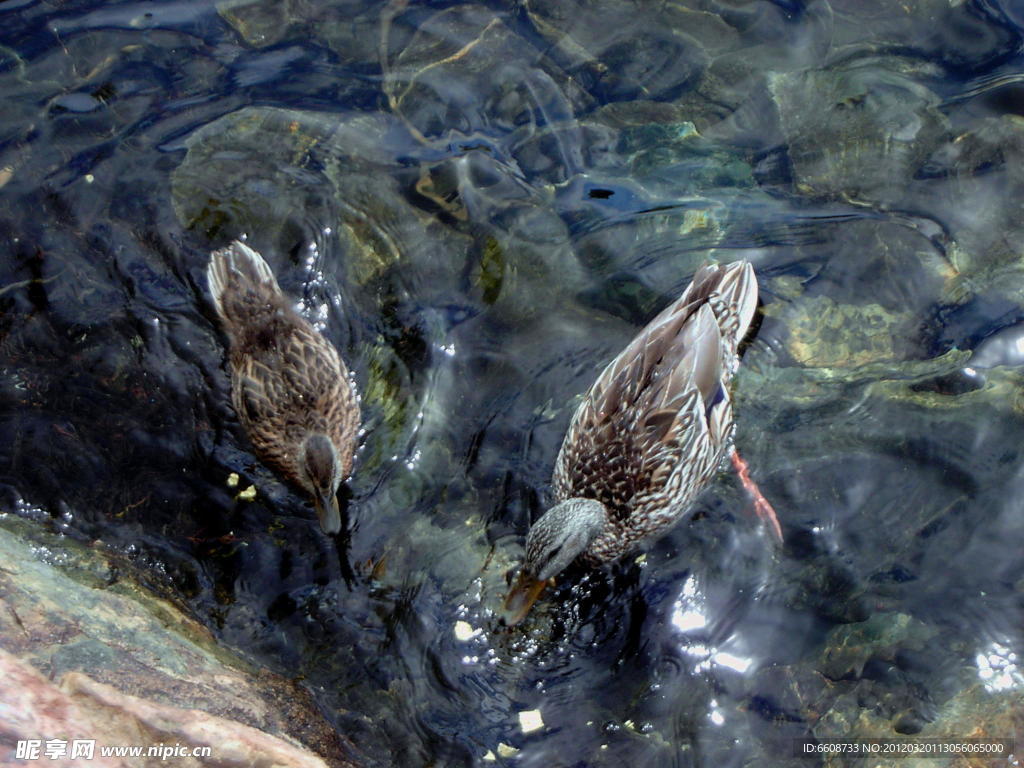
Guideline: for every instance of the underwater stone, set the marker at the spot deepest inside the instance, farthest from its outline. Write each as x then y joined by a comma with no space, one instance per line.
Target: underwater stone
857,132
243,174
976,706
984,168
850,646
622,51
386,397
465,71
824,334
518,253
281,176
954,34
259,23
1006,347
349,28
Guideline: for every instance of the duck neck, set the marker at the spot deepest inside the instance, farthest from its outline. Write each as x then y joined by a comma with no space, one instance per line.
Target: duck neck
319,461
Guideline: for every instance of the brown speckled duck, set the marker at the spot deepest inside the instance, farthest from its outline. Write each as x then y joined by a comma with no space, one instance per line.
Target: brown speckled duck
651,432
290,389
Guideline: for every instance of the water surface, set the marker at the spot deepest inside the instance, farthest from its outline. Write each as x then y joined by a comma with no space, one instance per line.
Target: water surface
480,204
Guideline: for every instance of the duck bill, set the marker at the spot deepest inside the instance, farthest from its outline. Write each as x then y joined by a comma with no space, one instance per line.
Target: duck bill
328,512
521,597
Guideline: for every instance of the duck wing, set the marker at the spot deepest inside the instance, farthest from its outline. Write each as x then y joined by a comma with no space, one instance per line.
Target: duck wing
320,384
287,380
296,385
653,427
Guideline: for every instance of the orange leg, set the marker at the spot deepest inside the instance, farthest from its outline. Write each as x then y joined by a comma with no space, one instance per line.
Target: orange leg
763,509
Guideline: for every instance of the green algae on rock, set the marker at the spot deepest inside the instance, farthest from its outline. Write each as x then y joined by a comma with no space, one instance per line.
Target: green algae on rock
824,334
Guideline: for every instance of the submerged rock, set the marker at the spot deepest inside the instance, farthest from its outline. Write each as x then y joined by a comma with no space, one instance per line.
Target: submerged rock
272,172
259,23
890,679
985,166
860,130
350,28
851,646
953,34
824,334
468,78
628,51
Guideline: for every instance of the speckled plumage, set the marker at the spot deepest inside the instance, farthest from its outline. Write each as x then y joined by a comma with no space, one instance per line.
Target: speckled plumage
655,426
288,382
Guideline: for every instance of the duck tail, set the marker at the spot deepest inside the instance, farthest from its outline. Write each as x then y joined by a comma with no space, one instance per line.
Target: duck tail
739,289
240,280
731,292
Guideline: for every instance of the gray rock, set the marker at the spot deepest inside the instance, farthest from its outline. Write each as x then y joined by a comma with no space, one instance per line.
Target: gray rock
87,653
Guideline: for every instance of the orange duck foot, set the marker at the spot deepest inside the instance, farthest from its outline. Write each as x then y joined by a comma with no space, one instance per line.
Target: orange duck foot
762,508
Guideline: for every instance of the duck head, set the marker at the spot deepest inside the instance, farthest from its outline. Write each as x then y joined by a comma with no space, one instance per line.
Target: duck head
561,535
321,473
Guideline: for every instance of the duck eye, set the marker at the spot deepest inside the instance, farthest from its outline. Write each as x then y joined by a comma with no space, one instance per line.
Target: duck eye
548,557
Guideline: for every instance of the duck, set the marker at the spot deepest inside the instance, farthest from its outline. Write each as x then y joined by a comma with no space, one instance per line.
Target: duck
290,388
649,434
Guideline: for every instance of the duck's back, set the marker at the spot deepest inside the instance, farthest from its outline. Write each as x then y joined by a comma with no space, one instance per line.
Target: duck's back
287,380
653,428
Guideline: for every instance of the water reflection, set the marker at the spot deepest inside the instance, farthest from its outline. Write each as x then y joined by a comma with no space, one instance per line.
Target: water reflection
687,614
708,656
997,668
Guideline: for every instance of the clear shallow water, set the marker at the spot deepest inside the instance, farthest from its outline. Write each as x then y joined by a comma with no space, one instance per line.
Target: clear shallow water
481,205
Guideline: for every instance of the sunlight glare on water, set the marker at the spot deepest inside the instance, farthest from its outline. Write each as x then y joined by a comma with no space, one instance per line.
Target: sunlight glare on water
998,668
